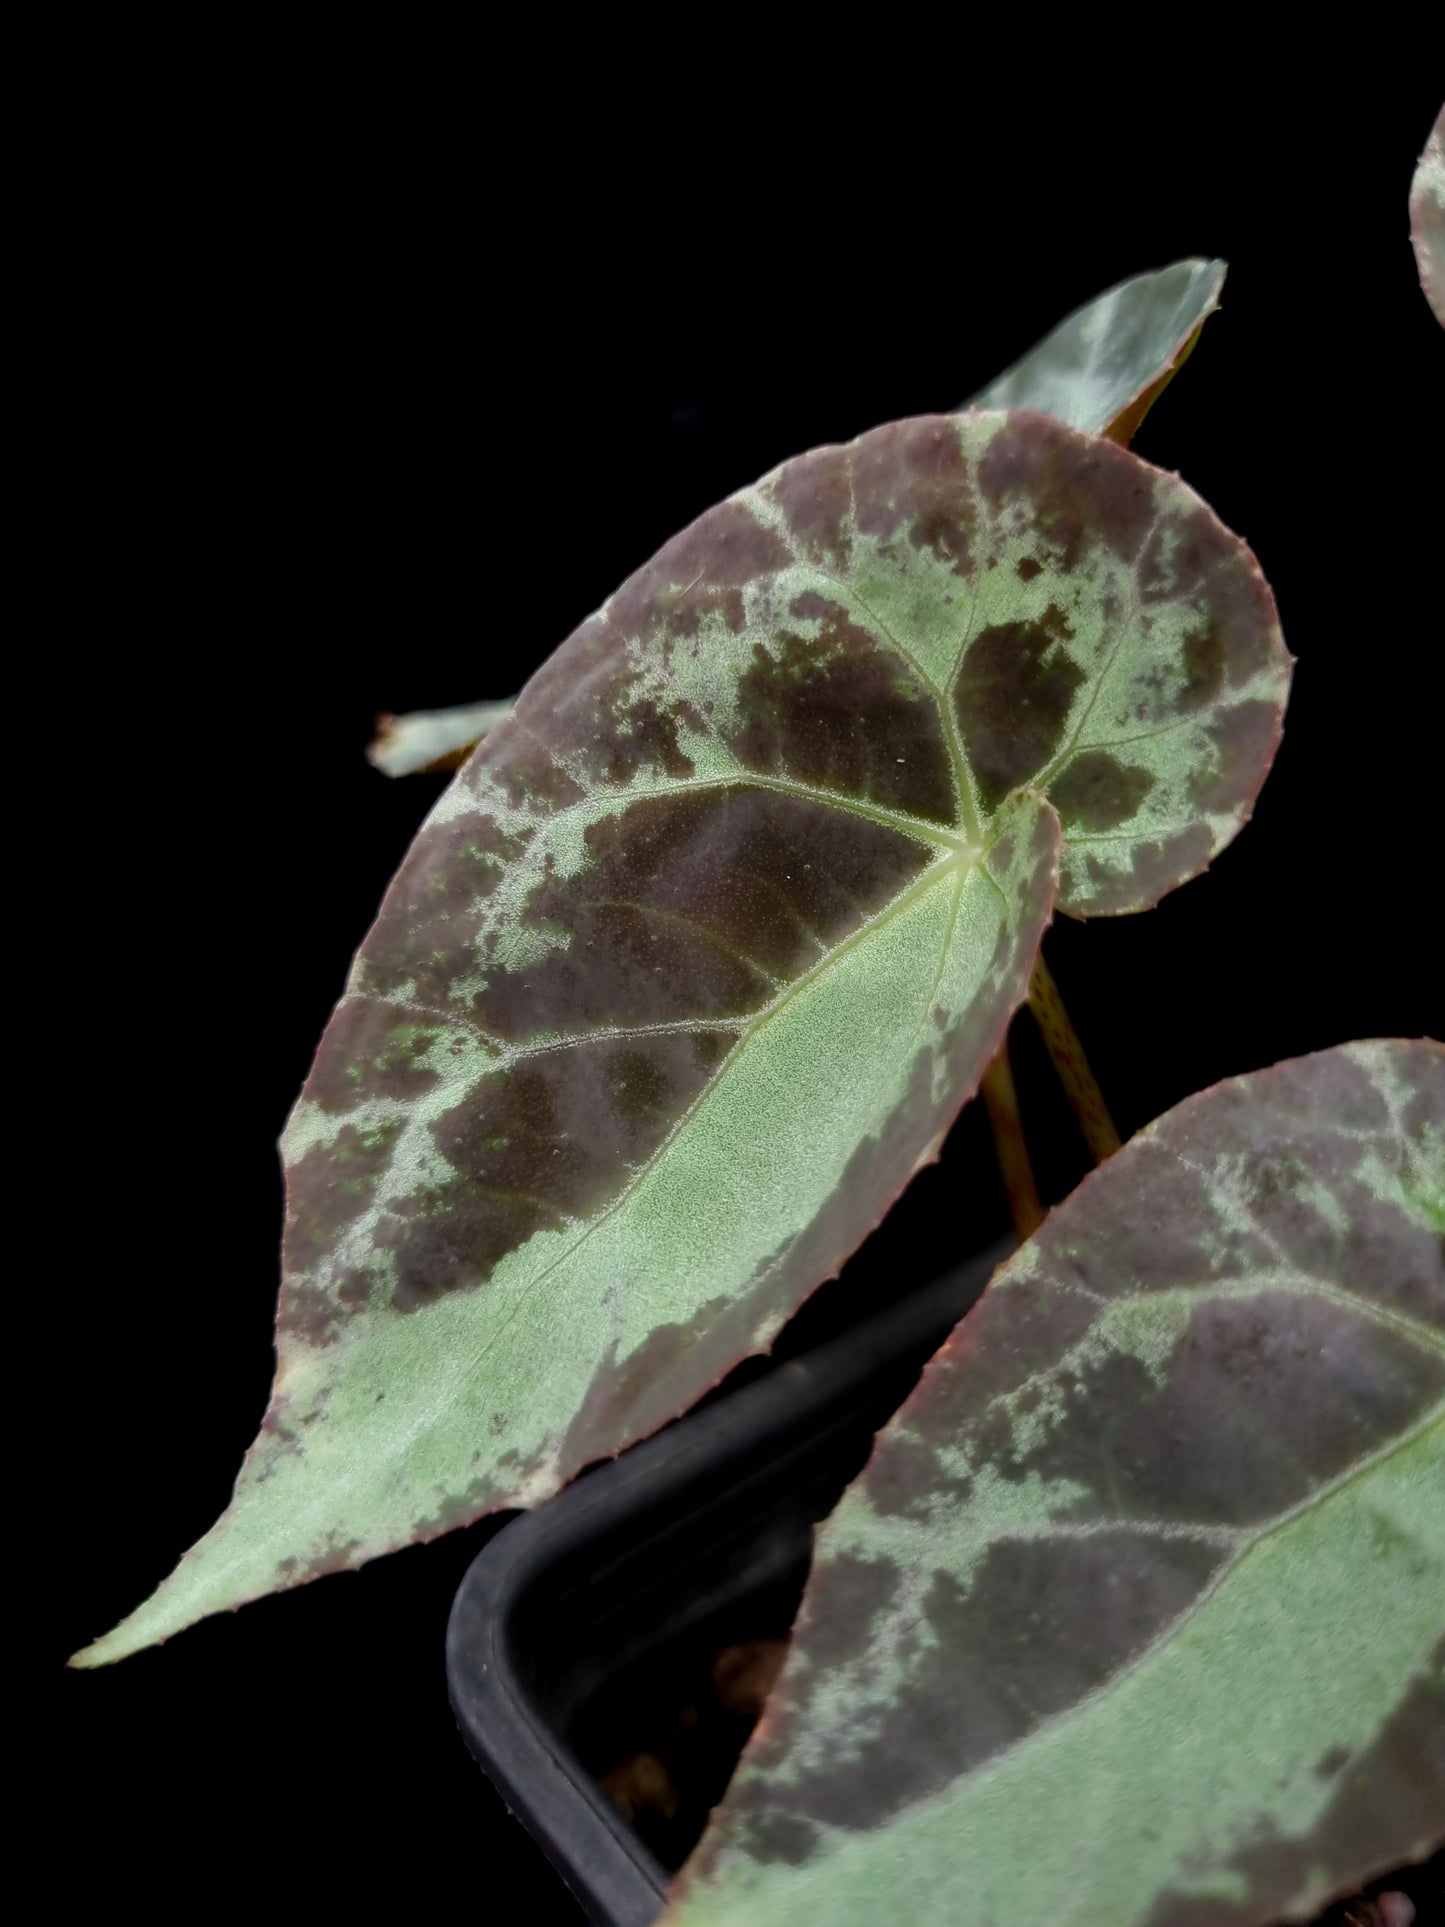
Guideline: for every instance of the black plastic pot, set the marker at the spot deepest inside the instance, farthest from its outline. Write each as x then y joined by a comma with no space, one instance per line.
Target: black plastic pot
580,1625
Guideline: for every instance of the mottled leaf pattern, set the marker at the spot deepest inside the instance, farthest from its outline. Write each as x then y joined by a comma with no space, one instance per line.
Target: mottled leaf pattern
432,739
1427,218
1102,368
695,962
1137,1612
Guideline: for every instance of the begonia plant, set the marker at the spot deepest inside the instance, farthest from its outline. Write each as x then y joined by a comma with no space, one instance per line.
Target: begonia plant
687,974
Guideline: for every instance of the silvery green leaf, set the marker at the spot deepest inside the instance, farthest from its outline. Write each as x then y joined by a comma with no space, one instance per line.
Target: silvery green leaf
432,739
1137,1613
1101,368
694,963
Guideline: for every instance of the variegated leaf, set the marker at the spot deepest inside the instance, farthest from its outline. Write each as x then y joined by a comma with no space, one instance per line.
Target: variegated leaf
1103,367
694,963
1427,218
1137,1613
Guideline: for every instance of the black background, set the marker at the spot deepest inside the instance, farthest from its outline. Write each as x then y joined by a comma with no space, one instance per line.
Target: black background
382,372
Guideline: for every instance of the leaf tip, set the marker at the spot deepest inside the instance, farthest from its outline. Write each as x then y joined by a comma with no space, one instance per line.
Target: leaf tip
103,1651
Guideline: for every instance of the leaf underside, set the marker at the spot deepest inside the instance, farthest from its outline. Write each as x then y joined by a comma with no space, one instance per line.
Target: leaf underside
1105,364
694,963
1136,1613
1427,218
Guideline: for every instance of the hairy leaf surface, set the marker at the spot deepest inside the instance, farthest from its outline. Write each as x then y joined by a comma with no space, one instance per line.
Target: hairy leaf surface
696,960
1136,1613
1427,218
1102,368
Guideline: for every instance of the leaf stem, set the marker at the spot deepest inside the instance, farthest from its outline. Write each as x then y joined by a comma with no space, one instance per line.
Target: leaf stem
1013,1153
1080,1085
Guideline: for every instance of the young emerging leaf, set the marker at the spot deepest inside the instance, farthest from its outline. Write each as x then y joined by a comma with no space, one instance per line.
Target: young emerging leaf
1136,1613
693,965
1427,218
1103,367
